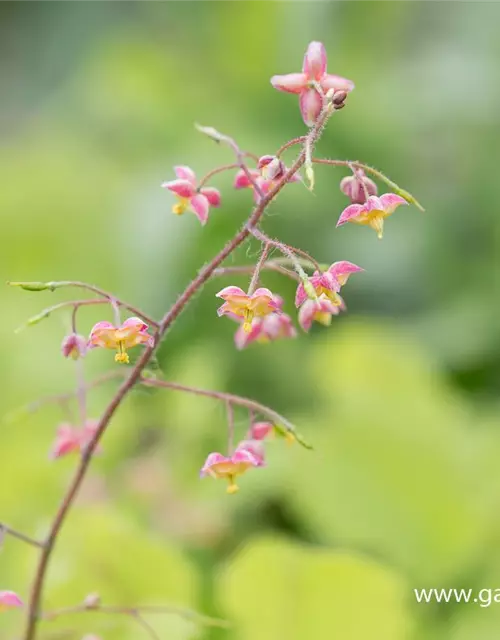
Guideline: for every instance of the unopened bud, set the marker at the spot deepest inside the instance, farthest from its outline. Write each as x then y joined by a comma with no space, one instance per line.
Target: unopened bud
339,99
271,167
92,601
358,186
74,346
33,286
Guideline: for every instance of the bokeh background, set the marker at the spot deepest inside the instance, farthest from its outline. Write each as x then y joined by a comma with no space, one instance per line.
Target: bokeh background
399,396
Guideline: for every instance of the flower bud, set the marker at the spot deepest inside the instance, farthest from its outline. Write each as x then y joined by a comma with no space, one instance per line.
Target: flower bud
271,167
339,98
74,346
357,186
92,601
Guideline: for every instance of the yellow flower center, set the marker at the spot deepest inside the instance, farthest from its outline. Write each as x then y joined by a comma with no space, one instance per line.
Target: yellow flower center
233,487
180,206
122,355
377,223
247,325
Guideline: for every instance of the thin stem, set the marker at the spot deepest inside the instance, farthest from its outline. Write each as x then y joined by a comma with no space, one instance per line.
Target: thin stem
45,313
255,276
289,144
268,266
240,401
81,391
168,319
145,625
375,172
5,529
52,286
214,172
287,251
230,428
187,614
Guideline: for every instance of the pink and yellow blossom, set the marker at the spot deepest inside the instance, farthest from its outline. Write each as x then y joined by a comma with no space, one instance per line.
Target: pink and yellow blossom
306,84
9,600
373,212
229,468
328,283
274,326
239,305
132,332
358,187
320,310
198,200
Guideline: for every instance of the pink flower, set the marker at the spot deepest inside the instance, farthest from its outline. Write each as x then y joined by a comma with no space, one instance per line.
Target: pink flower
132,332
189,196
9,600
271,327
219,466
373,212
74,346
328,283
305,83
261,430
320,311
70,439
239,305
255,448
357,186
269,166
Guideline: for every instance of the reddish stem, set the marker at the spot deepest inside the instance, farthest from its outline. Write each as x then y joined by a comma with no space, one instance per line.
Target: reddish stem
203,276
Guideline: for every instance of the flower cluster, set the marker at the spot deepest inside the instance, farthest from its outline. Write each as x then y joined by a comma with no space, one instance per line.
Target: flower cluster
249,453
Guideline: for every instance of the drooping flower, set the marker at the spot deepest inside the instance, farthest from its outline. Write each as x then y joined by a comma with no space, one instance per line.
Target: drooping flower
9,600
328,283
74,346
219,466
320,310
239,305
358,186
271,327
305,84
132,332
71,439
189,196
373,212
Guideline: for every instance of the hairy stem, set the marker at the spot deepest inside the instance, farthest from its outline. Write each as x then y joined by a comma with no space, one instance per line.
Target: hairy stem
203,276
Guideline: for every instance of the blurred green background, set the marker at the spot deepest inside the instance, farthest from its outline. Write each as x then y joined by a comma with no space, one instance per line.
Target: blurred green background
399,396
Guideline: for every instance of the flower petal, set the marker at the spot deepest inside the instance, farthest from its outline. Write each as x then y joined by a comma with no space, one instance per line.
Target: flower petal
290,82
185,173
213,458
212,195
390,202
315,61
310,103
243,338
229,292
200,206
350,212
342,270
337,83
182,188
9,599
